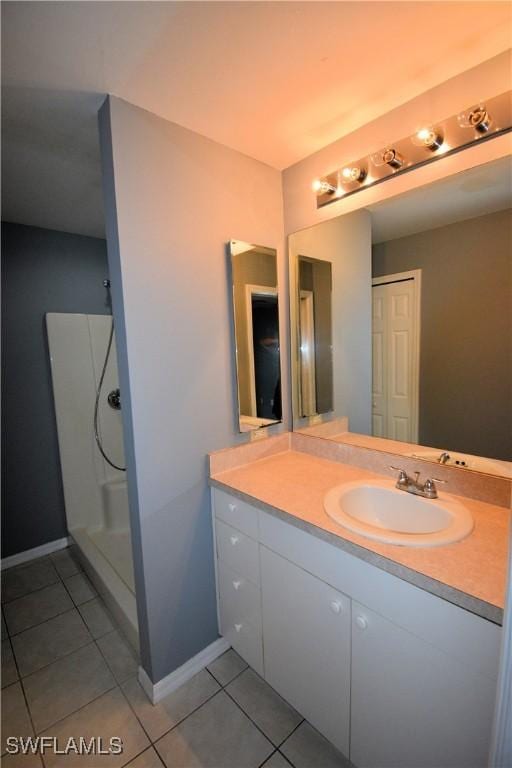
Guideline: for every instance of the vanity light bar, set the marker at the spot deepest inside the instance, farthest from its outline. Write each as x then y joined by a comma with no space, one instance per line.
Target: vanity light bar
480,122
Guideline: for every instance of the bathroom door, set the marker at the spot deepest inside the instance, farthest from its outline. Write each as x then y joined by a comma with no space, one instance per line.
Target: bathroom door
395,356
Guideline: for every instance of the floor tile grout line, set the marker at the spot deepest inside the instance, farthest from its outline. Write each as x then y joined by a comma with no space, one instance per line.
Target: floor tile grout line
125,696
110,617
223,685
221,688
89,641
32,592
153,742
292,732
284,756
29,713
251,720
261,765
162,765
82,573
193,711
75,711
21,680
38,624
118,631
15,664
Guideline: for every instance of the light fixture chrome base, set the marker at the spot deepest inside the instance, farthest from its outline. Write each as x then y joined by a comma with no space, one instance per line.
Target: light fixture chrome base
482,123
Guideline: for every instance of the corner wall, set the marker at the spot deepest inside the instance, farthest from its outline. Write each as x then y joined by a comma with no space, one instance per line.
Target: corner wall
42,271
174,199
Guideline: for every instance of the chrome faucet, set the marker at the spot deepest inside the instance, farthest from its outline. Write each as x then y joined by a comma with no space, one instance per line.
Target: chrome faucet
427,489
444,457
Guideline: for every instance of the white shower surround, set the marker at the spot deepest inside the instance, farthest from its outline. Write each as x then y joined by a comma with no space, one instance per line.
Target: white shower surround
95,494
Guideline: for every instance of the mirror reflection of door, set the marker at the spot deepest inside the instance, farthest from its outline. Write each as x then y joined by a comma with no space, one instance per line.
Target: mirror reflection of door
395,358
256,316
263,329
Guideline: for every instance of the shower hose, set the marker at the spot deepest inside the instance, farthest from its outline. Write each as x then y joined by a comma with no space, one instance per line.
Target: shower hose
96,404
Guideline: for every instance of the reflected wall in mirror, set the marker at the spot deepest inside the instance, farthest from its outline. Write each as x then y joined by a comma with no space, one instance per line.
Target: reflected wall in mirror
256,318
421,322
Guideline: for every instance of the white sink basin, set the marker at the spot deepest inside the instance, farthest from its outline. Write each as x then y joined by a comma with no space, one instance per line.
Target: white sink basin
379,511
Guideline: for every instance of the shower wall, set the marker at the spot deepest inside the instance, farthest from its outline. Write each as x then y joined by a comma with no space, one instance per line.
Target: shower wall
78,345
95,493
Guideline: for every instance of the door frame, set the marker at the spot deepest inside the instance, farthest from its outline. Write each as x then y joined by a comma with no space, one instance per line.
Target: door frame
250,291
415,276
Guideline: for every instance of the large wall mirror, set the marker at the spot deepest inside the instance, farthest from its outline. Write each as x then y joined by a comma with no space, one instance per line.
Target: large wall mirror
256,318
414,298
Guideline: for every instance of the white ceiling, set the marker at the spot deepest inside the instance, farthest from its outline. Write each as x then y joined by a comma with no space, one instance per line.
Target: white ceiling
274,80
479,191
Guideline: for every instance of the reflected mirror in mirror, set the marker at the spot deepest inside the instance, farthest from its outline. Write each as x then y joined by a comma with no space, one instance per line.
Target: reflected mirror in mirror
315,336
421,323
256,318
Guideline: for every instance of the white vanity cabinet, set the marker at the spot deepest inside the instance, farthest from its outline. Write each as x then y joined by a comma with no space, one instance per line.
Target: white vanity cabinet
392,675
238,577
413,705
307,645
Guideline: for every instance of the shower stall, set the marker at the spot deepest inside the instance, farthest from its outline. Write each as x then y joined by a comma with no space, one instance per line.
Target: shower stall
83,366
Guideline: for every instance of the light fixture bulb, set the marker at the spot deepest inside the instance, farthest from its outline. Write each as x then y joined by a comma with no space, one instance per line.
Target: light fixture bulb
477,118
323,187
388,157
353,173
428,137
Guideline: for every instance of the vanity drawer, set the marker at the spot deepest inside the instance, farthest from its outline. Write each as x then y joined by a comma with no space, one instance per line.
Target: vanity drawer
238,551
241,595
236,512
243,636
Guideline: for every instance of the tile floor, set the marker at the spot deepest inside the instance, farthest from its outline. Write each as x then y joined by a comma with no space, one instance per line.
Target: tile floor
67,671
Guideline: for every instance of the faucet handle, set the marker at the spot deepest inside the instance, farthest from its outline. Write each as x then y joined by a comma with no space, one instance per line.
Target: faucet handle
430,485
402,474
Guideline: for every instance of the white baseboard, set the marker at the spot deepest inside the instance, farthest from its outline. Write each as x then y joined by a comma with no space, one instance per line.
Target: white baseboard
32,554
157,691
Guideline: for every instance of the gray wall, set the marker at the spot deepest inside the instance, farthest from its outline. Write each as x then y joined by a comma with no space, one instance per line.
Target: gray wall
174,200
466,331
42,271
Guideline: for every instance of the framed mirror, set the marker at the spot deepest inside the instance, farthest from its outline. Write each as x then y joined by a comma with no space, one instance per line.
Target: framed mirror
421,323
256,321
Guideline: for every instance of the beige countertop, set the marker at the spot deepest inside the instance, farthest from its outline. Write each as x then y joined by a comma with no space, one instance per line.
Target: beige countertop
470,573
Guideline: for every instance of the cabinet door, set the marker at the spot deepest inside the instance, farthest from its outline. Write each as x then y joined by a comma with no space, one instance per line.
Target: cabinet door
413,706
306,639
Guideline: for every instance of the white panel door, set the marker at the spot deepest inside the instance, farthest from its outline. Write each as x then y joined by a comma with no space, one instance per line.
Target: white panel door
379,387
307,354
306,639
414,706
395,360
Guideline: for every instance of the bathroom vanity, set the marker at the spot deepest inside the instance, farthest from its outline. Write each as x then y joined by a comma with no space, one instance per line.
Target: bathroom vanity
383,659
